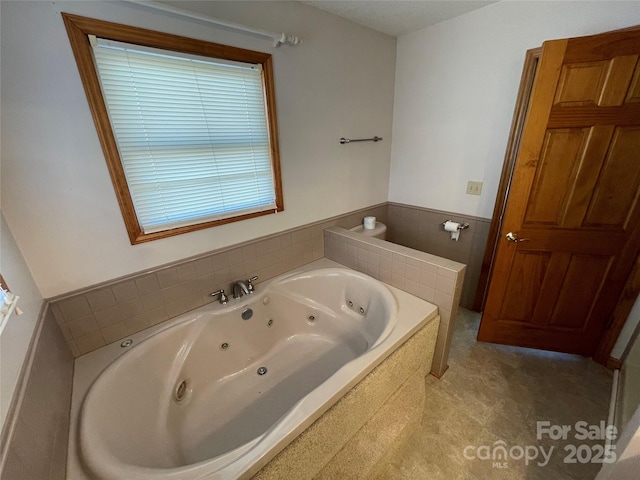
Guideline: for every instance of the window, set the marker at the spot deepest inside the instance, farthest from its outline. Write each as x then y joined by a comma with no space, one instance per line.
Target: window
188,128
8,303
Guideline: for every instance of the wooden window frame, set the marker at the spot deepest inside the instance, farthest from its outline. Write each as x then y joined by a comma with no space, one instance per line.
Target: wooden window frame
78,30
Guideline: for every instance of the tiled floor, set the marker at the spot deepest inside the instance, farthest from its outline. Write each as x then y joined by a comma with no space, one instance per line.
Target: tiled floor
496,393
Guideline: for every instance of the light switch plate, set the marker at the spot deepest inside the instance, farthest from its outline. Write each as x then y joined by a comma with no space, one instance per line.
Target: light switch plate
474,188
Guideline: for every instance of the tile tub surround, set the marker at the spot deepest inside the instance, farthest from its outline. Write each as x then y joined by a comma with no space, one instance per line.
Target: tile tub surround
349,440
106,313
434,279
37,447
421,228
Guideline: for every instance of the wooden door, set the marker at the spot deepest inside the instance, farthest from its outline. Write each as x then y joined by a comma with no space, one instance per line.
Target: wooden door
573,210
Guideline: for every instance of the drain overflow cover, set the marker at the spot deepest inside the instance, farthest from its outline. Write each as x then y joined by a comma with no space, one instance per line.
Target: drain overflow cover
262,370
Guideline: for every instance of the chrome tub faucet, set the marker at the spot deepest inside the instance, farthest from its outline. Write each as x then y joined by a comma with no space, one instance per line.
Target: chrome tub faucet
243,287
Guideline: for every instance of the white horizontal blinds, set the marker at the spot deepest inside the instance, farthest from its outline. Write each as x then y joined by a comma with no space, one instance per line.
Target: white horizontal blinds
191,132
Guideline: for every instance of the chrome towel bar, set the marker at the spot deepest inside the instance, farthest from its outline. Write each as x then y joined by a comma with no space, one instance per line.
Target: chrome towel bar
348,140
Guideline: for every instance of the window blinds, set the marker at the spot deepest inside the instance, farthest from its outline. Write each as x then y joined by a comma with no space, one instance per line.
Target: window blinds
191,132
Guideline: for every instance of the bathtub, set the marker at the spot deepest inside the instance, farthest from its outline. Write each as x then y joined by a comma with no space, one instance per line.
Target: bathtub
219,391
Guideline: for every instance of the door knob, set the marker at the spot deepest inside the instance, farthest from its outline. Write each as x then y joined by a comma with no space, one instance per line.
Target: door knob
513,237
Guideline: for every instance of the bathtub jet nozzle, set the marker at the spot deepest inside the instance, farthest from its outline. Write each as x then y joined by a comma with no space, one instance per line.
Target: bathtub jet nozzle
181,391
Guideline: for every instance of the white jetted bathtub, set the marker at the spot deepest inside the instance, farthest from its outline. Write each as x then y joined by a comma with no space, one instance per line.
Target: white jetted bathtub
221,389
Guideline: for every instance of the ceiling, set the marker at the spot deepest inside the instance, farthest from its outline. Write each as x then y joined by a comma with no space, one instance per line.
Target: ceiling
397,17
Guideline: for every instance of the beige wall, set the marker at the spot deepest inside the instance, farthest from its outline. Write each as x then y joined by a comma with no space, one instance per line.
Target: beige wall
56,192
456,85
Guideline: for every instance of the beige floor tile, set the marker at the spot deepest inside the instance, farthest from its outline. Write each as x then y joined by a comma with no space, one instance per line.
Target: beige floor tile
494,393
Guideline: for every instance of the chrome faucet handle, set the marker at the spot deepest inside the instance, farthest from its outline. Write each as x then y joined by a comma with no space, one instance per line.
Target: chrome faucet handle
250,286
223,296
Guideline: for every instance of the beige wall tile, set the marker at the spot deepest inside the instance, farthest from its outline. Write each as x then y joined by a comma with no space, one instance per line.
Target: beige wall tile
235,256
249,252
397,281
428,278
138,323
125,291
426,293
300,236
204,266
132,308
168,277
109,316
398,267
114,332
413,273
90,342
74,308
174,293
442,299
273,245
445,285
220,261
285,240
74,348
193,301
101,299
66,332
445,315
445,272
152,301
158,315
83,326
412,287
176,308
147,284
55,308
429,267
187,272
385,262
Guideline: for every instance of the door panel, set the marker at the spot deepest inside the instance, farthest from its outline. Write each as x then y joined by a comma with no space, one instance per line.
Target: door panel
588,172
616,192
581,83
589,272
573,200
547,200
634,90
524,285
618,79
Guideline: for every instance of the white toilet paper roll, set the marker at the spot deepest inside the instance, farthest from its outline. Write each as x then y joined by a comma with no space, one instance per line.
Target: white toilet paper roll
369,223
453,228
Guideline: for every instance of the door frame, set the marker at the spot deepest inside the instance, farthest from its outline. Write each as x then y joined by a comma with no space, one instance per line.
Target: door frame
632,286
531,59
